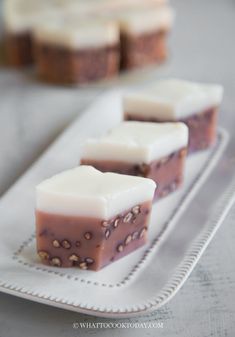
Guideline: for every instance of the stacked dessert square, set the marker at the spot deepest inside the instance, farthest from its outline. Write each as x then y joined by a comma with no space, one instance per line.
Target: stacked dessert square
99,212
174,100
150,150
68,51
143,36
89,219
80,41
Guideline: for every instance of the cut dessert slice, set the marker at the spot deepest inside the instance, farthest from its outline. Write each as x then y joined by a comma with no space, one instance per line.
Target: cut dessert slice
144,34
153,150
170,100
89,219
75,50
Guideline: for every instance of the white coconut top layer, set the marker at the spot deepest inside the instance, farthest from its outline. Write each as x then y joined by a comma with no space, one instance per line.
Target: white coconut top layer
146,20
21,16
85,191
77,33
172,99
136,142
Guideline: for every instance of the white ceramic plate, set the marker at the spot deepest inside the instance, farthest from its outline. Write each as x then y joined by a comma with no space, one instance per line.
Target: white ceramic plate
181,227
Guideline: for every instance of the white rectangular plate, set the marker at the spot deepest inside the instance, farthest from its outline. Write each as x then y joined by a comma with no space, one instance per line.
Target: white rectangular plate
181,226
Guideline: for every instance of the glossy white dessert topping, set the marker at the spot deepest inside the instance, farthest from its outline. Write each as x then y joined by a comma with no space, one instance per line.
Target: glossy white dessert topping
140,21
85,191
137,142
21,15
72,33
173,99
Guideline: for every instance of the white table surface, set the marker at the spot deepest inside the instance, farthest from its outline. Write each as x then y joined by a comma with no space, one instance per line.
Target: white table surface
32,115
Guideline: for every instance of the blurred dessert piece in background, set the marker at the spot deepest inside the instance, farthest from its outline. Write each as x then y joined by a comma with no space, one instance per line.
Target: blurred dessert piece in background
144,35
19,17
142,26
71,50
195,104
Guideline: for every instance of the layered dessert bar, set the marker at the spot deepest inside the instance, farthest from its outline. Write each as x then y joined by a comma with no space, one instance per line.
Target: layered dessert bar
143,35
152,150
19,17
88,219
76,51
195,104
